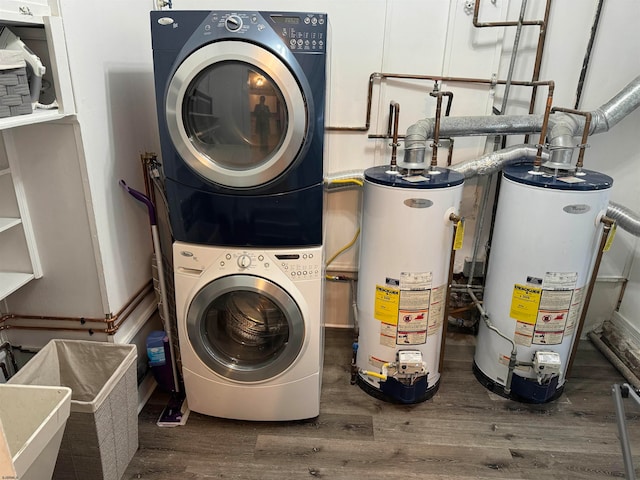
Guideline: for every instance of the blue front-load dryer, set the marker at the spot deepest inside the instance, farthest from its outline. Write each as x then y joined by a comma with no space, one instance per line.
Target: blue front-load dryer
240,98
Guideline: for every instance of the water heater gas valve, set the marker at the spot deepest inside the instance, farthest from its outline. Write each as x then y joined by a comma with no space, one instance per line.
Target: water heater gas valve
547,365
408,364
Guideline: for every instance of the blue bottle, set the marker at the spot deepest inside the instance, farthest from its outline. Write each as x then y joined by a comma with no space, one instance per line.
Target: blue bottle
159,355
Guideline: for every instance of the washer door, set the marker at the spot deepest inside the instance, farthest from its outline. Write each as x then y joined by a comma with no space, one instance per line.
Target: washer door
236,114
245,328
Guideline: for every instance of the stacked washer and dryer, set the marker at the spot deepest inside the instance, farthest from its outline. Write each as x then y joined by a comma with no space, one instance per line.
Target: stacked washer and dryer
240,99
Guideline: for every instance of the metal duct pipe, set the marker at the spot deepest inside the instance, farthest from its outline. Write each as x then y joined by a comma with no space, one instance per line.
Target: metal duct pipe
625,218
495,161
612,112
569,126
484,165
561,133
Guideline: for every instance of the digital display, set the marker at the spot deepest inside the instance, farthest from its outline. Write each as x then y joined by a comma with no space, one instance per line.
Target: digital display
286,20
292,256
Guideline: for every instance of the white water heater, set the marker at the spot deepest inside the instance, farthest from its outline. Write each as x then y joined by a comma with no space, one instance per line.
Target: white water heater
406,245
546,236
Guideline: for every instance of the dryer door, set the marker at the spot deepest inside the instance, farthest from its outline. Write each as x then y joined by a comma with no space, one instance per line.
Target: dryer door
236,114
245,328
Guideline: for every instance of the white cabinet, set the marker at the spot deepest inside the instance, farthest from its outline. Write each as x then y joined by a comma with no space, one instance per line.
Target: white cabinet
43,33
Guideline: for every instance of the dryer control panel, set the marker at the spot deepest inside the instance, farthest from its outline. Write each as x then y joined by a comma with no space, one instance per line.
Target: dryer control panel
301,32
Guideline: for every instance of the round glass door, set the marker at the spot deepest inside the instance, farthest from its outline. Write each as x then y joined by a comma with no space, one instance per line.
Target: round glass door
236,114
245,328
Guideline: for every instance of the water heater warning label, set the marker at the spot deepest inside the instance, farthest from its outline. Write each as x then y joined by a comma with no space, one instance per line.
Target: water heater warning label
524,303
410,313
387,303
544,316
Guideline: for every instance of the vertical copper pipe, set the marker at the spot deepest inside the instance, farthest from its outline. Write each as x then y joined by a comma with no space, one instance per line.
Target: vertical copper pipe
608,223
450,154
585,132
449,96
390,121
436,129
538,61
545,124
455,219
394,112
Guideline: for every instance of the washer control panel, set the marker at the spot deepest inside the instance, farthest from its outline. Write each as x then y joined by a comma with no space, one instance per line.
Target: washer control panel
301,32
300,265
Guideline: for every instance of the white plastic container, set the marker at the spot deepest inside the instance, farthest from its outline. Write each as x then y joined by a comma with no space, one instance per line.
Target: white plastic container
33,419
101,436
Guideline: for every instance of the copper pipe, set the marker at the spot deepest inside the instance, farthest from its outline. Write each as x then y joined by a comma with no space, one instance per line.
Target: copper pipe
445,321
145,159
625,282
436,128
394,114
450,153
538,61
449,96
608,224
367,122
545,124
539,49
585,132
434,78
476,23
132,303
466,308
90,331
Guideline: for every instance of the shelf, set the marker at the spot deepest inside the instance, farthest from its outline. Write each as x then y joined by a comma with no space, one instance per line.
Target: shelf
38,116
12,281
7,223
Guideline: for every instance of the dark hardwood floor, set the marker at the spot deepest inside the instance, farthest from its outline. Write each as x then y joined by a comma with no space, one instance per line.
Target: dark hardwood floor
463,432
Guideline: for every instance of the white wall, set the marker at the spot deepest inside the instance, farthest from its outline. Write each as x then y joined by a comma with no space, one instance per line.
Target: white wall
109,52
111,65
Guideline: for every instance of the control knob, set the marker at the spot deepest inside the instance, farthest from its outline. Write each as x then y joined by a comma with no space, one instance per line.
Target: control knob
244,261
233,23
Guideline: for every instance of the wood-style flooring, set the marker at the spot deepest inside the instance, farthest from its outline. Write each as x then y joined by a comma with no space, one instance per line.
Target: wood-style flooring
464,432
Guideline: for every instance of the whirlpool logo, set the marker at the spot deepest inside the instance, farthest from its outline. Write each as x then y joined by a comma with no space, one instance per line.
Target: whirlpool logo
166,21
577,209
418,202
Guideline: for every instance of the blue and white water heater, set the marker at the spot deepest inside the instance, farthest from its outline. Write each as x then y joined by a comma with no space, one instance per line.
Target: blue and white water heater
546,236
403,276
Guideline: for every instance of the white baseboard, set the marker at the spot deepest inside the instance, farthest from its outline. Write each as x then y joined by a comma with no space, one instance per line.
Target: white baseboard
631,330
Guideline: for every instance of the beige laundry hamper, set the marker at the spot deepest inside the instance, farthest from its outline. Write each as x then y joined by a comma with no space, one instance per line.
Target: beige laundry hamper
101,436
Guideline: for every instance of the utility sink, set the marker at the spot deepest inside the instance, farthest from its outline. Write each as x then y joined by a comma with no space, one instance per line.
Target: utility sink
33,419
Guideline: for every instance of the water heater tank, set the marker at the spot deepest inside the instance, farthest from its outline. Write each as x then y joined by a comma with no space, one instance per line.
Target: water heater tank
403,277
546,236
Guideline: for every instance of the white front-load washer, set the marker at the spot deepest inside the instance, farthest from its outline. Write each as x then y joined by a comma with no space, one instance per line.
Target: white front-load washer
250,328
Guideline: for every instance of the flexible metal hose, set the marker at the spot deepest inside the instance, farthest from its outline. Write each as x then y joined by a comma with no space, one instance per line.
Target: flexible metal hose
625,218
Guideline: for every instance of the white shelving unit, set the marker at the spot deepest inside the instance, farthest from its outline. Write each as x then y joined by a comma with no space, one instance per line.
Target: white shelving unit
37,24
